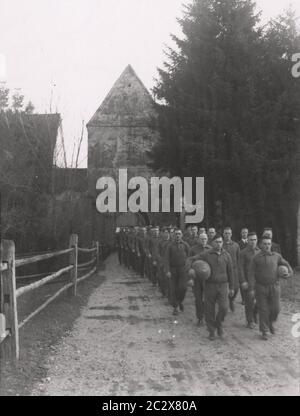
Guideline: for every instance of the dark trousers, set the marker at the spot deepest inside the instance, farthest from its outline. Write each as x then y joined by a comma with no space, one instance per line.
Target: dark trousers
215,294
136,262
162,280
236,286
268,304
126,257
131,257
199,301
177,285
153,272
120,255
147,267
249,305
243,294
141,265
236,283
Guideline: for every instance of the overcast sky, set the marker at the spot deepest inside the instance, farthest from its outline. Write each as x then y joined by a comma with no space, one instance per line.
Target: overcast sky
78,48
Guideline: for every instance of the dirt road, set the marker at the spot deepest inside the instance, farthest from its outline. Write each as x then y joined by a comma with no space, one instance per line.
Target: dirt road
126,341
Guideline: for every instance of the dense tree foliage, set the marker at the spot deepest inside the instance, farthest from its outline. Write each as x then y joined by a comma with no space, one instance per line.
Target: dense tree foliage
27,143
230,112
41,205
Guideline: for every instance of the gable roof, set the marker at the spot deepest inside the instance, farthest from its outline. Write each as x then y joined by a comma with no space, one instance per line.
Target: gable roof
127,104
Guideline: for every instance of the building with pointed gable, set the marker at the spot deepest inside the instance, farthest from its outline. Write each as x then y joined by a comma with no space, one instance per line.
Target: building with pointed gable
119,136
119,133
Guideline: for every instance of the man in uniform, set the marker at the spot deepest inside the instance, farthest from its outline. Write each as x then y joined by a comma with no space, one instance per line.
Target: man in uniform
264,279
216,286
162,247
129,247
118,244
200,246
268,232
172,233
243,243
132,247
122,237
186,234
175,260
246,255
198,286
211,234
153,254
137,254
234,250
126,247
142,250
192,239
202,230
147,251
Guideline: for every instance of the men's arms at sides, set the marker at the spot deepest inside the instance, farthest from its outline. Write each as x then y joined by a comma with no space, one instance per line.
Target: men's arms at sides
230,274
176,255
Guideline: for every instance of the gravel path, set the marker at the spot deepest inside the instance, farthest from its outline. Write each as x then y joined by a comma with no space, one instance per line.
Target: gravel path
126,341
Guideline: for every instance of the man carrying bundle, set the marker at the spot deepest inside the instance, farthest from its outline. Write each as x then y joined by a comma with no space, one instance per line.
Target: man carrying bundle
198,284
216,286
268,232
264,275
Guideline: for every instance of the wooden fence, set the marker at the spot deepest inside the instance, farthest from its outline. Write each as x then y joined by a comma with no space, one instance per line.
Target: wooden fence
9,294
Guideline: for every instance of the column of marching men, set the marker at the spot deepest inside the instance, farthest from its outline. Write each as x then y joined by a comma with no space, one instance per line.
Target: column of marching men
166,257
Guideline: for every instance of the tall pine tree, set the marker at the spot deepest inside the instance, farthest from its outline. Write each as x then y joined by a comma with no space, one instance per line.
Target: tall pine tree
229,101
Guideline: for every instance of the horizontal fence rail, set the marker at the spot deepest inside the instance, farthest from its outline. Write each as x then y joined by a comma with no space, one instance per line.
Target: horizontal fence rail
9,294
87,250
87,275
43,306
88,263
35,259
31,253
33,276
42,282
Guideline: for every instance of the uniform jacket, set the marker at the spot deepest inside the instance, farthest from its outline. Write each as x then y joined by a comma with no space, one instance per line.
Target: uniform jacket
245,258
242,244
191,240
275,247
234,250
220,265
162,248
153,247
176,254
142,242
263,268
197,249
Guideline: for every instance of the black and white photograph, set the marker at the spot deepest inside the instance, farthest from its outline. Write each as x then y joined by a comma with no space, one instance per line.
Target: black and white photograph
149,200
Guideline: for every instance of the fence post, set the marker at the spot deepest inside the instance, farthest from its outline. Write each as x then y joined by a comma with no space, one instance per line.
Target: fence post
74,262
8,298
